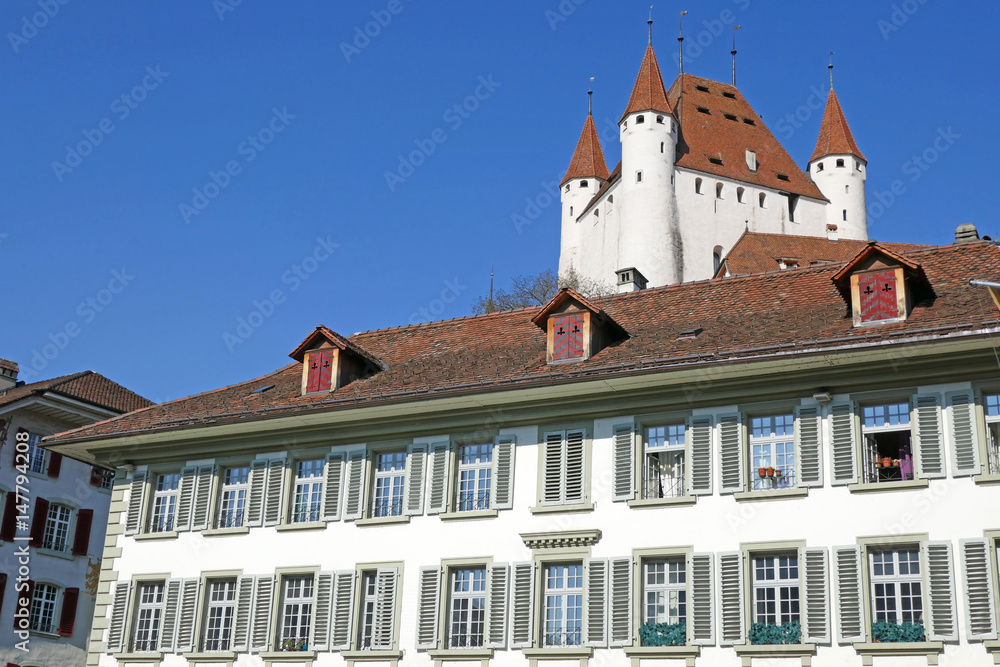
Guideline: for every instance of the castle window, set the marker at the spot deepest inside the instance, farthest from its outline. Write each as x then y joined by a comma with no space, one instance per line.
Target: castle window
597,212
638,177
750,121
703,89
661,146
611,199
761,199
584,183
840,163
857,165
730,116
793,203
571,210
567,187
845,215
731,96
567,338
320,371
697,186
877,293
704,110
751,160
819,167
659,119
782,177
715,160
640,120
739,194
718,190
716,259
847,189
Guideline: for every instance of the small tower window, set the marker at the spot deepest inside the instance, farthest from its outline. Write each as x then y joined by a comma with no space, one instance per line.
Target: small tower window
597,212
659,119
716,259
739,194
567,187
640,120
847,189
718,190
661,146
761,199
793,202
840,163
584,183
571,210
638,177
845,215
611,199
819,167
697,186
857,165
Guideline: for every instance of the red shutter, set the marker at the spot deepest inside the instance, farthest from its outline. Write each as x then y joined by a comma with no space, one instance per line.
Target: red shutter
38,519
567,337
55,464
320,371
81,541
878,296
9,525
3,588
68,616
96,476
20,598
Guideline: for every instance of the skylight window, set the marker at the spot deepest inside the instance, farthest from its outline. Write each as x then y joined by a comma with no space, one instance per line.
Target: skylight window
704,110
750,121
730,116
703,89
715,160
731,96
783,177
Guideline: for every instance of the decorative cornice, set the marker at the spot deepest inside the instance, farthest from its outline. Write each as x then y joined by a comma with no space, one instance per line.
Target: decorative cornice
565,538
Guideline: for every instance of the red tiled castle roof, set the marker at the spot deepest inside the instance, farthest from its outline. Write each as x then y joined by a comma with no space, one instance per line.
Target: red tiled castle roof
588,158
648,93
835,137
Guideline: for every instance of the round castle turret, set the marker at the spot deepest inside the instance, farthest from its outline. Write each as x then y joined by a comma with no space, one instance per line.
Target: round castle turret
586,174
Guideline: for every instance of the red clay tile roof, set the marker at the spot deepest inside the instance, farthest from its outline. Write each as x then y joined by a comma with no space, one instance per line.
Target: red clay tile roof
873,248
724,129
649,93
87,386
299,353
588,158
8,365
759,253
790,312
835,136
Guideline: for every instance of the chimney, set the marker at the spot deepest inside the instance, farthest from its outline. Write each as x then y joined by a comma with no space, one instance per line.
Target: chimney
8,375
831,233
630,280
966,234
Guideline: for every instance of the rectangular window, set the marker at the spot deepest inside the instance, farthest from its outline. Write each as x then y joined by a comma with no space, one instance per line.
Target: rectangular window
233,499
390,480
776,589
367,618
149,609
36,455
165,502
665,591
663,461
43,609
308,490
107,479
467,617
221,607
56,528
991,404
563,605
475,471
564,468
897,596
296,613
772,452
886,455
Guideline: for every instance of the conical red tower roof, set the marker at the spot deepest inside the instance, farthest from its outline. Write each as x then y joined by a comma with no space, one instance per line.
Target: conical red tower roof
588,159
835,136
649,93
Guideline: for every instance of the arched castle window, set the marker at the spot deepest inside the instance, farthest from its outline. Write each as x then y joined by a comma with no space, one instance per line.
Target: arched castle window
840,163
761,199
584,184
640,119
718,190
697,186
716,259
739,194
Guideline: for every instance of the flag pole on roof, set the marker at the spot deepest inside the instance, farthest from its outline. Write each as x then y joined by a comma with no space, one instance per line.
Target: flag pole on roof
831,70
590,98
735,28
680,40
650,24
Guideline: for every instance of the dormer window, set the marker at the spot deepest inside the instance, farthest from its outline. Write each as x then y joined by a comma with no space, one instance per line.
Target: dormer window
567,337
575,329
319,370
330,361
751,160
882,285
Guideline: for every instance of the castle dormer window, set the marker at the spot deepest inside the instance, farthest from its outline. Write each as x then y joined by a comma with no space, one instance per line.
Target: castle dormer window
704,110
882,286
878,296
330,361
567,337
751,160
319,370
575,329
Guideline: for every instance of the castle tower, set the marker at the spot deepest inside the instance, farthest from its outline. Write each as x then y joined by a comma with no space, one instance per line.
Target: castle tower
586,174
649,236
839,170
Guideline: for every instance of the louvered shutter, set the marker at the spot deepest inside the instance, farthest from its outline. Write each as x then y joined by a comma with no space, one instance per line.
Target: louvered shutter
274,492
171,610
119,609
185,498
522,605
186,614
324,606
81,539
965,458
843,445
427,607
850,596
255,501
576,461
244,609
414,484
624,468
620,602
39,517
701,627
731,455
496,611
732,620
596,596
384,632
809,446
552,468
354,495
700,451
8,527
980,590
67,617
260,638
332,485
816,607
930,442
437,493
203,498
503,473
940,592
343,610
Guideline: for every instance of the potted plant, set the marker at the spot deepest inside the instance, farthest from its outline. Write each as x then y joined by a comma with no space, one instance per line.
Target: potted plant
886,462
762,472
770,471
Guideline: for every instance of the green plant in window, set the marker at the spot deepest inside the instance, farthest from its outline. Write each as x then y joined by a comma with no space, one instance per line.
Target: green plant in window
293,645
885,632
768,633
663,634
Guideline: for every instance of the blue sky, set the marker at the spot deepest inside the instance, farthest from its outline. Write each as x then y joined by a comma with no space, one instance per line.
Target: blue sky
244,170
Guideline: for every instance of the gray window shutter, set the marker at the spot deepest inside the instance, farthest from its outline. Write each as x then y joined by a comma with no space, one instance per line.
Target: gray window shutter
324,606
255,502
553,468
136,503
816,607
576,461
620,608
275,491
700,453
171,610
596,596
809,446
930,442
732,620
731,455
843,445
522,605
186,610
979,586
496,610
941,592
414,483
332,486
262,605
701,626
502,497
437,492
244,604
119,609
965,459
343,610
850,597
203,497
185,498
354,495
427,607
384,632
624,463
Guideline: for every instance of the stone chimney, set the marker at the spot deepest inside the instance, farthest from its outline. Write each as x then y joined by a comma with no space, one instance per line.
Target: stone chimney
966,234
630,280
8,374
831,233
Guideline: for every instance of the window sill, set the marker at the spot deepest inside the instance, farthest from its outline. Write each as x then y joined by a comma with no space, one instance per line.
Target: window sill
288,656
889,486
305,525
558,653
562,509
42,633
678,501
383,521
146,656
461,654
690,653
211,656
150,537
65,555
869,650
778,494
987,479
469,516
242,530
371,656
750,651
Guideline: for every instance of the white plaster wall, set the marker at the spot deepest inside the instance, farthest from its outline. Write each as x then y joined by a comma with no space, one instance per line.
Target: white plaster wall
845,188
600,255
574,200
